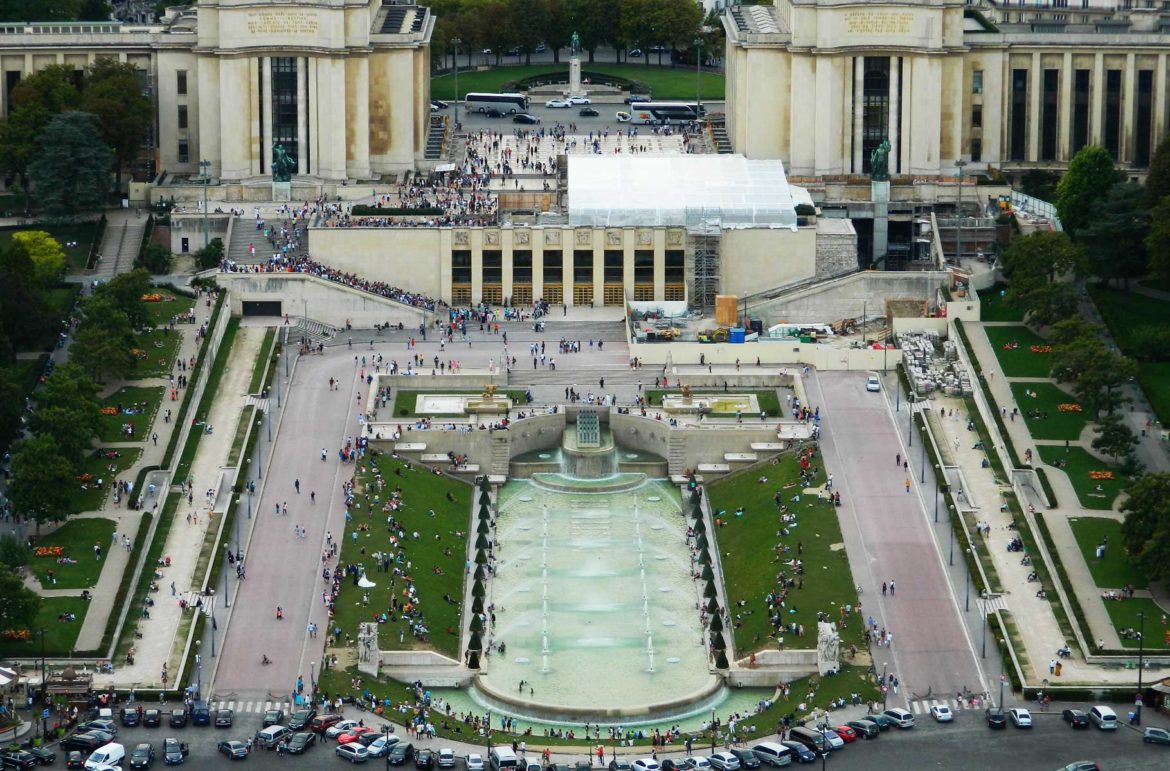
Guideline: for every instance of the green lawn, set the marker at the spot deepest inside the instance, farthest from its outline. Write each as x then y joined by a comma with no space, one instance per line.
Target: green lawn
1155,381
107,469
1126,311
993,308
405,401
422,491
1019,361
60,636
1124,614
1042,411
662,82
161,311
749,569
143,400
159,347
262,361
65,232
77,537
59,301
1114,570
1077,463
1160,284
767,399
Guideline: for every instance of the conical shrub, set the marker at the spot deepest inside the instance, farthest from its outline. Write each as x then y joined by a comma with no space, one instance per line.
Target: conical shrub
480,573
709,590
708,573
481,557
721,660
473,660
716,623
717,641
476,642
478,589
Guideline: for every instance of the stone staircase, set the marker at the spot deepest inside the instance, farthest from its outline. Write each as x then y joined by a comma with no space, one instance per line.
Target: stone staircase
676,456
719,136
501,454
119,248
244,232
436,138
315,331
523,375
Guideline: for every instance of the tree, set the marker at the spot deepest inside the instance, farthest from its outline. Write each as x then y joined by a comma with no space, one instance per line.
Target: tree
1099,385
1158,179
1158,239
45,10
595,22
1114,437
68,409
104,343
1146,528
210,256
155,258
43,481
71,174
94,10
1088,180
126,290
1115,237
13,553
11,404
1040,184
22,303
35,101
115,92
19,605
1035,266
46,255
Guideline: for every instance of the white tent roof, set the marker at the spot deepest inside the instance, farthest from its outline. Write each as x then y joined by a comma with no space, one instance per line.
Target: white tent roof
621,190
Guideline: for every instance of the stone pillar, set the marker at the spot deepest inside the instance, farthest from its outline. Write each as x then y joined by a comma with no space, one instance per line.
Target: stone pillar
1129,110
266,96
879,194
858,112
507,266
895,114
1159,100
659,264
206,145
1064,119
234,118
302,114
357,122
1035,89
1097,100
575,76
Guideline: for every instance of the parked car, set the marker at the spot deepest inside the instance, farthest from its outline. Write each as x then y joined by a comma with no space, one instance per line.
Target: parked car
301,718
724,761
439,104
872,383
635,53
299,742
667,765
353,752
355,733
494,113
746,758
645,764
1082,765
995,717
635,98
424,759
1075,718
129,716
380,746
523,117
846,732
901,718
835,740
273,717
152,718
235,750
400,753
174,752
941,713
800,752
142,756
474,761
1156,736
588,112
540,48
446,757
17,759
340,727
579,100
1020,717
224,718
44,756
883,722
178,718
109,726
75,759
322,724
1104,717
557,104
866,728
697,763
86,742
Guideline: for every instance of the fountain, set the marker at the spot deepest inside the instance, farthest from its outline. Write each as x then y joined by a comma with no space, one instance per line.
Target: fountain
597,544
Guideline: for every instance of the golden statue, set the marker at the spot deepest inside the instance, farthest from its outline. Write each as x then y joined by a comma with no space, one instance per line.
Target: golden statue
489,391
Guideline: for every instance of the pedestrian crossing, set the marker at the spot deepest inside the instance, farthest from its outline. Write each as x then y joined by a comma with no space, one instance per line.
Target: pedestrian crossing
992,604
252,707
922,706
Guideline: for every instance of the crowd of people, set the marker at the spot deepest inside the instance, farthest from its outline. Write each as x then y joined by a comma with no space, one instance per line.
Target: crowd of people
445,200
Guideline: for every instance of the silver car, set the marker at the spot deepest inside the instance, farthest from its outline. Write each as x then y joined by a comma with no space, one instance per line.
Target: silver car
724,761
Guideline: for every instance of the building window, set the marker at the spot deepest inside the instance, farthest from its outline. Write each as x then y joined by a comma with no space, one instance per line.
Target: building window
522,268
1144,118
977,116
615,294
582,294
182,116
1049,112
184,151
284,103
644,267
976,150
493,266
461,267
181,82
554,270
1018,135
675,259
977,82
875,122
1080,111
1113,112
614,266
583,266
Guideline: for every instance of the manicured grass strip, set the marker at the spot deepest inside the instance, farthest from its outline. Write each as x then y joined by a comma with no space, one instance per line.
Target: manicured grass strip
98,465
1126,312
1124,614
1113,570
160,347
1155,381
262,361
246,416
80,234
405,401
142,588
767,399
60,636
209,393
137,406
751,560
1040,404
193,376
76,537
662,82
1078,463
422,492
1019,360
994,308
161,311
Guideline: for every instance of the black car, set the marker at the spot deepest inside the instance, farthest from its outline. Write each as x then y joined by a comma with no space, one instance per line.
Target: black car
301,719
588,112
1075,718
866,729
142,756
224,718
129,716
424,759
174,752
82,742
273,717
45,757
747,758
75,759
995,718
299,742
494,113
883,722
233,749
108,726
523,117
402,752
178,718
800,752
619,764
672,767
152,718
17,759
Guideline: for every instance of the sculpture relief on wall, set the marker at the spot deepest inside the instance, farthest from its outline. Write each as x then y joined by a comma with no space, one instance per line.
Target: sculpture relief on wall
645,237
491,237
584,237
613,238
462,238
521,237
552,237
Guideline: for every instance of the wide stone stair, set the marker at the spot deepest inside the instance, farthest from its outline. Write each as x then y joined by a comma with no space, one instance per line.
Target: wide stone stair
436,138
315,331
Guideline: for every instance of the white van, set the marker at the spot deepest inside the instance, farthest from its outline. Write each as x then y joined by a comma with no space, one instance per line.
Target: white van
503,758
111,754
1104,717
271,736
772,753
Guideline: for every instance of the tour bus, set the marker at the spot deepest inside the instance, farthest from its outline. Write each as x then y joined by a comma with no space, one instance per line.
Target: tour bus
505,103
662,113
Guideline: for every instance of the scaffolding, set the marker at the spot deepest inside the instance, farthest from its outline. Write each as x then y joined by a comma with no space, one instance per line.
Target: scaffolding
705,233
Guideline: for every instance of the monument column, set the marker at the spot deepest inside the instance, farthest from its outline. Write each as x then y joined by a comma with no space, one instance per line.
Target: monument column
1097,100
858,112
266,110
302,115
357,123
1160,97
234,118
895,112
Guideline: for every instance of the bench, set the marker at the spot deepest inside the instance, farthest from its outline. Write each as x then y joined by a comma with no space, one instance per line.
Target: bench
714,468
466,468
740,457
679,479
410,447
769,446
434,457
497,479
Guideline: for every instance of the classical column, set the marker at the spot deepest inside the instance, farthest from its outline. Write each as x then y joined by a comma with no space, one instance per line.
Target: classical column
895,112
1064,120
234,118
206,139
507,265
1129,109
255,141
266,102
1159,100
1035,121
1097,89
476,247
302,114
357,98
858,112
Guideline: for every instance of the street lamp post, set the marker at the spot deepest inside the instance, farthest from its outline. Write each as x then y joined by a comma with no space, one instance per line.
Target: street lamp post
910,421
712,732
937,495
205,170
983,654
455,43
213,625
44,671
227,595
198,669
967,599
961,164
885,687
698,75
1137,702
922,471
951,556
250,488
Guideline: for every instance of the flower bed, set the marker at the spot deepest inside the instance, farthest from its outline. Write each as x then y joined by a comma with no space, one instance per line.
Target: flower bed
1069,407
49,551
1101,475
1041,349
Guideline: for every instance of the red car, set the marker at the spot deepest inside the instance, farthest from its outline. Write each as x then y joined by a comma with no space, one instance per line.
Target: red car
847,733
353,734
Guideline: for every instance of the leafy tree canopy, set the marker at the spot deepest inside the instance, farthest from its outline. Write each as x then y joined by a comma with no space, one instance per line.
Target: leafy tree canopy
45,254
71,174
1090,176
19,605
1146,529
43,480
